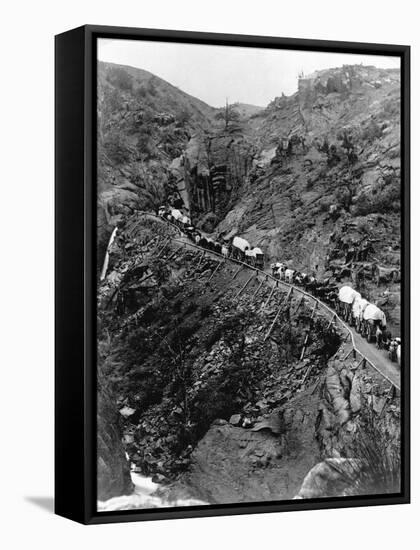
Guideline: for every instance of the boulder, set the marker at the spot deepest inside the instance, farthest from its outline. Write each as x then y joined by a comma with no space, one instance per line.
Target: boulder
336,393
332,477
127,412
235,419
356,394
274,423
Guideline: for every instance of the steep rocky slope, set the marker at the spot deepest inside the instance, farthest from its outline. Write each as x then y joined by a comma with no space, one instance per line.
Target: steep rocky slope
326,191
314,179
144,123
209,406
113,470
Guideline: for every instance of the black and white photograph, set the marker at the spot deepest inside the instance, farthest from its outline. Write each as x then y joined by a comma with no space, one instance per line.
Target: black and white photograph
249,344
210,271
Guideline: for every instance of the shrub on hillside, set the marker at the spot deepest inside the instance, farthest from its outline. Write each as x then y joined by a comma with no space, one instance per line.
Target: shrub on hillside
141,92
183,118
391,109
385,199
145,146
209,222
372,131
120,77
151,88
116,148
113,102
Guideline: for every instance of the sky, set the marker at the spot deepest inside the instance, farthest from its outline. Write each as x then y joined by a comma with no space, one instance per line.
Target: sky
216,73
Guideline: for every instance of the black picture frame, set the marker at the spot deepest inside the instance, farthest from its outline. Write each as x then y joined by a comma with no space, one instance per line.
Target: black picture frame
75,289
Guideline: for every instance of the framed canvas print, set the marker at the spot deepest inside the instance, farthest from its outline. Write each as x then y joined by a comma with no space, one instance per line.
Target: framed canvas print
232,274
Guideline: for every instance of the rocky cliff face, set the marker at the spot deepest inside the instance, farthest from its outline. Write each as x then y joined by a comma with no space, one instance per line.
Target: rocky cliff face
324,191
144,123
214,170
211,407
314,179
336,434
113,473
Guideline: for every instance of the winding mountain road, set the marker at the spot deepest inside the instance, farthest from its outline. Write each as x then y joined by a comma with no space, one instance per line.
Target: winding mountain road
378,359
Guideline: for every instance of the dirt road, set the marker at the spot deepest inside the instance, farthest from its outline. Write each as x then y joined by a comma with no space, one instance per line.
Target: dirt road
378,359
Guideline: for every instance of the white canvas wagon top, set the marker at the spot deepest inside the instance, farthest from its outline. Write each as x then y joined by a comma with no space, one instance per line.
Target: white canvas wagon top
373,313
347,294
240,243
177,214
359,305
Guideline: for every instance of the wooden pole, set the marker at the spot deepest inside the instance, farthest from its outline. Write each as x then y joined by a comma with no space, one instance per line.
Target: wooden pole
163,247
277,315
172,255
265,304
157,247
348,355
244,286
217,267
315,385
362,360
332,320
239,269
307,332
313,311
389,396
302,299
258,288
304,345
307,373
201,258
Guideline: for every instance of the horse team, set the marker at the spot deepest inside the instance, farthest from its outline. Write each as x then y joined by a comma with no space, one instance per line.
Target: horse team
368,319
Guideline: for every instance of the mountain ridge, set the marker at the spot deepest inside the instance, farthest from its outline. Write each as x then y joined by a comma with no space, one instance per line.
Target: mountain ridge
288,177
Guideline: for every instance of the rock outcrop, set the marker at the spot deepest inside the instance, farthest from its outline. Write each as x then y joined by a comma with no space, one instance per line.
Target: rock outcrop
334,477
208,404
113,472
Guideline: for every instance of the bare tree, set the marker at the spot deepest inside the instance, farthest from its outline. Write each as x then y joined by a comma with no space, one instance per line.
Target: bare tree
228,114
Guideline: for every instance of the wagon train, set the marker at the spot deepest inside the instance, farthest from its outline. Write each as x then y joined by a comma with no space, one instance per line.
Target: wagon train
368,319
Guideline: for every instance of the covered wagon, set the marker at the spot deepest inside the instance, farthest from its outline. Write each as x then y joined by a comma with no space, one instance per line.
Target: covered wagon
346,297
250,257
176,216
239,247
373,318
358,307
258,257
185,220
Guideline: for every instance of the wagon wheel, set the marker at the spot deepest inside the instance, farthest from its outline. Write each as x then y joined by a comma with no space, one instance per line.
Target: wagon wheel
347,314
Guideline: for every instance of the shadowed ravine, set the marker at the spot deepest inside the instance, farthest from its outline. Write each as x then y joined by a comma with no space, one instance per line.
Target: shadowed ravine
269,462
